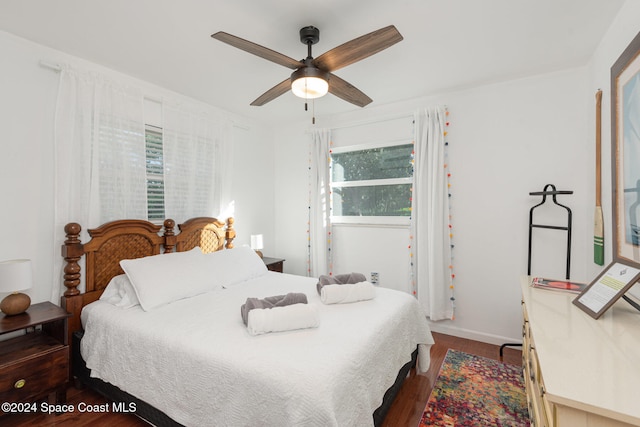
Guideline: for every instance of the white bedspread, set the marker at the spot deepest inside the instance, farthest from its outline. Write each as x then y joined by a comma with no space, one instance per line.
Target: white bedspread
194,359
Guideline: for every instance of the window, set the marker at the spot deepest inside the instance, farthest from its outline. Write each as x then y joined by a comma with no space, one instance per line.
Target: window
155,173
372,184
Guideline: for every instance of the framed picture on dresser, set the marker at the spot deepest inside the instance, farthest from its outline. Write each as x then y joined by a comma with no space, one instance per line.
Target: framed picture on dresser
625,155
610,285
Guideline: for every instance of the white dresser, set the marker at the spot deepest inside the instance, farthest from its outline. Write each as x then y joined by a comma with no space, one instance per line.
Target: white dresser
580,372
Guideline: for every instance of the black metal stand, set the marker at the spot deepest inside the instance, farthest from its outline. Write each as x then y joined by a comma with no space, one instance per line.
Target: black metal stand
544,193
549,190
509,344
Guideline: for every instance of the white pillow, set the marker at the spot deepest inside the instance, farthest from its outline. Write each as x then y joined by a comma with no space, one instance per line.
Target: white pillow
231,266
165,278
120,293
162,279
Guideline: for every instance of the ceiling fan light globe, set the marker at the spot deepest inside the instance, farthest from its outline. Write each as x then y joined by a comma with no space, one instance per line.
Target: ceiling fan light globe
310,87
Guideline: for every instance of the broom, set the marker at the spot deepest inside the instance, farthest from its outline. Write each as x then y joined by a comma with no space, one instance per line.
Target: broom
598,229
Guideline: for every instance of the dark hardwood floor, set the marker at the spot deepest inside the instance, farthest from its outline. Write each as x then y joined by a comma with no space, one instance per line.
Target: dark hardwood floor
405,411
409,405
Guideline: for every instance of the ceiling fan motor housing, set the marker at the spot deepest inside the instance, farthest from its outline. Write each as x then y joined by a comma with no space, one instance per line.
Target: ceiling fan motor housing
309,35
309,71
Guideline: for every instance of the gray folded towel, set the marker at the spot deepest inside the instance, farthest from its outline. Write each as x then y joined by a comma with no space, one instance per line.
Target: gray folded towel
270,302
340,279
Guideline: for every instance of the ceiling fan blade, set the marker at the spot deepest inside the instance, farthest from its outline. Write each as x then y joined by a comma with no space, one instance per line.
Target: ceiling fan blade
256,49
348,92
279,89
358,49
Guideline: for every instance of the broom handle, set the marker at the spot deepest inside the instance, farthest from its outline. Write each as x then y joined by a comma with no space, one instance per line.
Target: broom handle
598,147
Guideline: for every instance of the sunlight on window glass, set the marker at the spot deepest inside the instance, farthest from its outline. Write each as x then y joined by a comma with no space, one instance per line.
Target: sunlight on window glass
372,182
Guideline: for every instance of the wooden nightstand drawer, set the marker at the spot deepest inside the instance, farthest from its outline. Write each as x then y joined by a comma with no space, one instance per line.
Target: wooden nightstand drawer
274,264
31,366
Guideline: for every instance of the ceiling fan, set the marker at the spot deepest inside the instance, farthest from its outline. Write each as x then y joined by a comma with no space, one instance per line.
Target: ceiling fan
313,77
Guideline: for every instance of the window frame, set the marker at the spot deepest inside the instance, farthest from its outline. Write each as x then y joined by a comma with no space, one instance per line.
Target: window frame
396,220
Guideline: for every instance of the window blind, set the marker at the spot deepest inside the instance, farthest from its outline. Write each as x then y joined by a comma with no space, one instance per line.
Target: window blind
155,173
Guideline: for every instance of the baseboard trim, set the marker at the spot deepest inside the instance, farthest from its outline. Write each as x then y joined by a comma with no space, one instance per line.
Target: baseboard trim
471,334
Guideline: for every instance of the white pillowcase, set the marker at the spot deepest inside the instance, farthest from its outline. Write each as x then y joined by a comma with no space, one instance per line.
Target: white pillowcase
232,266
165,278
120,293
161,279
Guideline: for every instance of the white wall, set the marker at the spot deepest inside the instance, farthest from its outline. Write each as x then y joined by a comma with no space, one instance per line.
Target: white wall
506,140
27,108
253,185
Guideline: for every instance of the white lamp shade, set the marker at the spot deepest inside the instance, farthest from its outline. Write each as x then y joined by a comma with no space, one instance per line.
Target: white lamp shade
256,242
310,87
15,275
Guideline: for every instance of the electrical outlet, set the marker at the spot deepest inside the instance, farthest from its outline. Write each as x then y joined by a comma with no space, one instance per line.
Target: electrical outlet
375,277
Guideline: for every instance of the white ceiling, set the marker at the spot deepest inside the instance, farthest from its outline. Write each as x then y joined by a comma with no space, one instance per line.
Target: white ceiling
447,43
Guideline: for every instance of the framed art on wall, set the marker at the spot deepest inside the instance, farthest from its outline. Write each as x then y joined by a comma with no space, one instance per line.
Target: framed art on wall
625,143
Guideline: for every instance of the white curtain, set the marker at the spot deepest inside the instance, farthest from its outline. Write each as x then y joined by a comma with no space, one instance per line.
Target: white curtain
99,160
430,216
198,158
319,204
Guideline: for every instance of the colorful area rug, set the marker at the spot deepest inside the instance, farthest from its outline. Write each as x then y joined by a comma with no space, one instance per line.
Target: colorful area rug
476,391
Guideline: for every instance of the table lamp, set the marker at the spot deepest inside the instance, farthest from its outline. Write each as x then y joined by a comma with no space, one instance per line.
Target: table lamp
15,275
257,244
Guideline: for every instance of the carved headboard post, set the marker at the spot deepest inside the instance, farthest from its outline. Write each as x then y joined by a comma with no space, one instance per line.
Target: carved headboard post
230,233
72,251
169,236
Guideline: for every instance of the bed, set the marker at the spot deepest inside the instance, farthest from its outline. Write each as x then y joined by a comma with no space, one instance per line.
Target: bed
181,355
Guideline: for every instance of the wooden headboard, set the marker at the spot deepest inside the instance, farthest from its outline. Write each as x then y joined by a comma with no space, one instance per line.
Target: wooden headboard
128,239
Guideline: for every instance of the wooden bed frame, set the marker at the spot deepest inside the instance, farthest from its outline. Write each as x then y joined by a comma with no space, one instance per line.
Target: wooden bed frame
129,239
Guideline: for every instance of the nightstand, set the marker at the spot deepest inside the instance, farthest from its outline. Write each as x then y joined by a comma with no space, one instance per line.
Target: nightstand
36,364
273,264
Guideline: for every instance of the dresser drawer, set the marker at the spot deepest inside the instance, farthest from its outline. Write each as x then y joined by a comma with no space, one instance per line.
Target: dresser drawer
35,375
